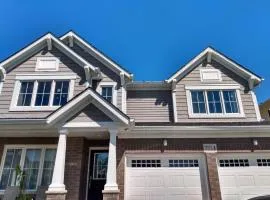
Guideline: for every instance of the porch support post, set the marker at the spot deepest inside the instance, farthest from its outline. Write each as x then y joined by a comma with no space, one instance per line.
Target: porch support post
57,186
111,191
111,170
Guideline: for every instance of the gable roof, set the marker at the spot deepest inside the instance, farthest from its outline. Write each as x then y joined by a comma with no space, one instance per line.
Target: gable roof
80,101
97,54
47,39
211,53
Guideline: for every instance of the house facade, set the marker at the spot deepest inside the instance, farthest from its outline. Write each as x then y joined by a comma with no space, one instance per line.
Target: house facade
76,122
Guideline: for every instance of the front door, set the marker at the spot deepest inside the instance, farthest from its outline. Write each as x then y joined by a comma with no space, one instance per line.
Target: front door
97,175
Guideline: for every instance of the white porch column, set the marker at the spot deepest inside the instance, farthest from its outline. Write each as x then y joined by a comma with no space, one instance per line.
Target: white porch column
111,184
57,185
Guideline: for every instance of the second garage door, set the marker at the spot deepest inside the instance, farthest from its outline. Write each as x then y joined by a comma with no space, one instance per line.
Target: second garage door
166,177
244,176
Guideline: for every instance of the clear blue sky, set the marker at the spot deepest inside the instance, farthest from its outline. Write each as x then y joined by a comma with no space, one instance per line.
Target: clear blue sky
151,38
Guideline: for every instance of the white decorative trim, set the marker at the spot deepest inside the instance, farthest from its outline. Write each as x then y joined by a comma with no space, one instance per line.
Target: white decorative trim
124,99
205,88
210,75
1,86
214,55
213,87
43,147
256,106
97,54
90,96
35,78
89,124
45,76
39,67
114,90
175,115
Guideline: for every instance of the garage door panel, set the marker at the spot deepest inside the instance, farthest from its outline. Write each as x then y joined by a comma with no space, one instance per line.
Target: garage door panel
170,180
249,180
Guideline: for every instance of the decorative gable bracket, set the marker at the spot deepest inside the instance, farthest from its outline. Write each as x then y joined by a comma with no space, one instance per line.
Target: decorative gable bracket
2,73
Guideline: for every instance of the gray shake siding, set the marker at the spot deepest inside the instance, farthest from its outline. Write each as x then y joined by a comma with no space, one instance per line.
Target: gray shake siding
107,74
28,67
150,106
90,114
228,77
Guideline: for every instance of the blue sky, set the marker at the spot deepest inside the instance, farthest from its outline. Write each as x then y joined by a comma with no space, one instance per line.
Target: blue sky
151,38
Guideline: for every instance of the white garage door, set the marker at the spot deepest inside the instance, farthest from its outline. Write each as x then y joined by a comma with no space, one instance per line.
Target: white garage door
165,177
244,176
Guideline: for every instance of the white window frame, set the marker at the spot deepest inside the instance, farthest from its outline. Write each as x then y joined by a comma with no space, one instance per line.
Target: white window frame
40,59
206,88
202,71
114,90
36,78
22,160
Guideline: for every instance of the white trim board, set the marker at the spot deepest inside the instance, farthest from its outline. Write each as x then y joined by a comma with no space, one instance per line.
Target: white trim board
88,96
97,54
236,68
41,43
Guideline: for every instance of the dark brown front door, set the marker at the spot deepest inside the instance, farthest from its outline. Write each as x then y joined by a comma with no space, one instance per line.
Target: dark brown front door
97,175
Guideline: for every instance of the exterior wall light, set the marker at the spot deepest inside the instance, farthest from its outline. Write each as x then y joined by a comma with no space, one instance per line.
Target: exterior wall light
165,143
255,142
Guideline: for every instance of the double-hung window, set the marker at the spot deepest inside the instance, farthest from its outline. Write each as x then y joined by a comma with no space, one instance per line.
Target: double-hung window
216,102
36,162
41,93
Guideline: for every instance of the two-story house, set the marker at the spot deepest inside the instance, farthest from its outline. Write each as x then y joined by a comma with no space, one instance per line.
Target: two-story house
77,123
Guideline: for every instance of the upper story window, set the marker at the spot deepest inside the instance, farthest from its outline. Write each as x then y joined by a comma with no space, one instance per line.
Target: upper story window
214,102
108,91
37,162
41,94
47,64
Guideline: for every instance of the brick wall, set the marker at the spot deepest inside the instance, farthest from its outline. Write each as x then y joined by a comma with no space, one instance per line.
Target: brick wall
188,146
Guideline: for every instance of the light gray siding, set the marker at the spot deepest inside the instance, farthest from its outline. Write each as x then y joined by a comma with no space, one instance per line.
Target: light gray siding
90,114
28,67
228,77
107,74
149,106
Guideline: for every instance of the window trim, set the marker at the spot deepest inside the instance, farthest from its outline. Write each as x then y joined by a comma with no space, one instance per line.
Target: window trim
206,88
39,59
24,148
114,90
40,77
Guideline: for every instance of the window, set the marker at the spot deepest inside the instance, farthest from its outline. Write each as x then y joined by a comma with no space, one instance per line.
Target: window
183,163
60,93
108,90
100,166
219,102
47,64
107,93
145,163
43,93
230,101
25,94
198,102
214,102
234,163
37,164
263,162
